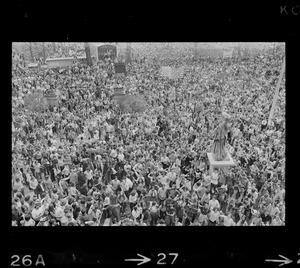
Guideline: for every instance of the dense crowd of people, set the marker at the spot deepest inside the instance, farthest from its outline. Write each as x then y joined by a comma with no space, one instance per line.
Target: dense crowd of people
86,163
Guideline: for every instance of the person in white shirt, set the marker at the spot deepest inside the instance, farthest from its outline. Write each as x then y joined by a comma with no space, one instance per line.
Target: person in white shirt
37,167
126,185
203,220
228,221
274,210
59,210
89,174
161,223
178,182
106,200
121,156
60,162
108,189
33,183
38,211
138,167
177,222
18,185
127,166
187,184
115,184
136,213
66,171
214,216
72,190
213,203
28,221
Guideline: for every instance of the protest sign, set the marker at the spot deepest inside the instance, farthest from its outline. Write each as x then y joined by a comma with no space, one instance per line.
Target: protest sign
118,94
33,65
120,68
59,62
227,53
106,51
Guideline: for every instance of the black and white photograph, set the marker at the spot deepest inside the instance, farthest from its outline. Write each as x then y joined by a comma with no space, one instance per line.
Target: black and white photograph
148,134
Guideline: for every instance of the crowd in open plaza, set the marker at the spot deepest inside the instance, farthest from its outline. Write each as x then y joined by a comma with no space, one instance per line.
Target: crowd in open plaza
86,163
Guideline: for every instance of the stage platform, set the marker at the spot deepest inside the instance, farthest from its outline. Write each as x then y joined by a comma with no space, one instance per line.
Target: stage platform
220,164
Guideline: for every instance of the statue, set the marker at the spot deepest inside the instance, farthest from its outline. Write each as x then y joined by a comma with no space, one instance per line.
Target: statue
220,135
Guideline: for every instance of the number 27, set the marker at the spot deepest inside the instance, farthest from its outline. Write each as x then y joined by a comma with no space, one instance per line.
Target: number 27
164,256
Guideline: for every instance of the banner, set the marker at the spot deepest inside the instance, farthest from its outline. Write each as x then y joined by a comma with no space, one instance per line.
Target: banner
59,62
33,65
118,94
227,53
106,51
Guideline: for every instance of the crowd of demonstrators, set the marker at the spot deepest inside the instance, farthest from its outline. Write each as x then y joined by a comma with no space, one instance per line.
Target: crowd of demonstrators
85,163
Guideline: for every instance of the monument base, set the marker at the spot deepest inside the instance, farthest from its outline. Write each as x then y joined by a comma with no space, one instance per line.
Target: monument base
228,162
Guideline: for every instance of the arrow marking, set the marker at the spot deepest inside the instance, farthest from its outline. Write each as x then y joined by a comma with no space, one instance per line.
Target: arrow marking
285,261
143,260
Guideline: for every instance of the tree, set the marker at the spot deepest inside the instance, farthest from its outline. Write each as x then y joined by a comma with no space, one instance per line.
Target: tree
88,55
29,45
44,53
54,47
34,50
128,52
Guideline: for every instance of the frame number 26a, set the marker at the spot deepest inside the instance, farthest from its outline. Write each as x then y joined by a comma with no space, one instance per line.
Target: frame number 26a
27,261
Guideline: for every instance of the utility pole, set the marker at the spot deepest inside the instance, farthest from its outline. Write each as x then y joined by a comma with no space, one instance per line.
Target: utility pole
44,54
31,52
276,92
128,52
88,54
54,47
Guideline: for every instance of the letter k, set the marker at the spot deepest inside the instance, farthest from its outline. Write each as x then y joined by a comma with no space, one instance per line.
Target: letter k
283,9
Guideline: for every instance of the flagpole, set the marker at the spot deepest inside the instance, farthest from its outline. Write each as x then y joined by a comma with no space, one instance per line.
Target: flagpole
276,92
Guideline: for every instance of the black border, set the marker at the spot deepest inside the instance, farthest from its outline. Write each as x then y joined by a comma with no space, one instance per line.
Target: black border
199,246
